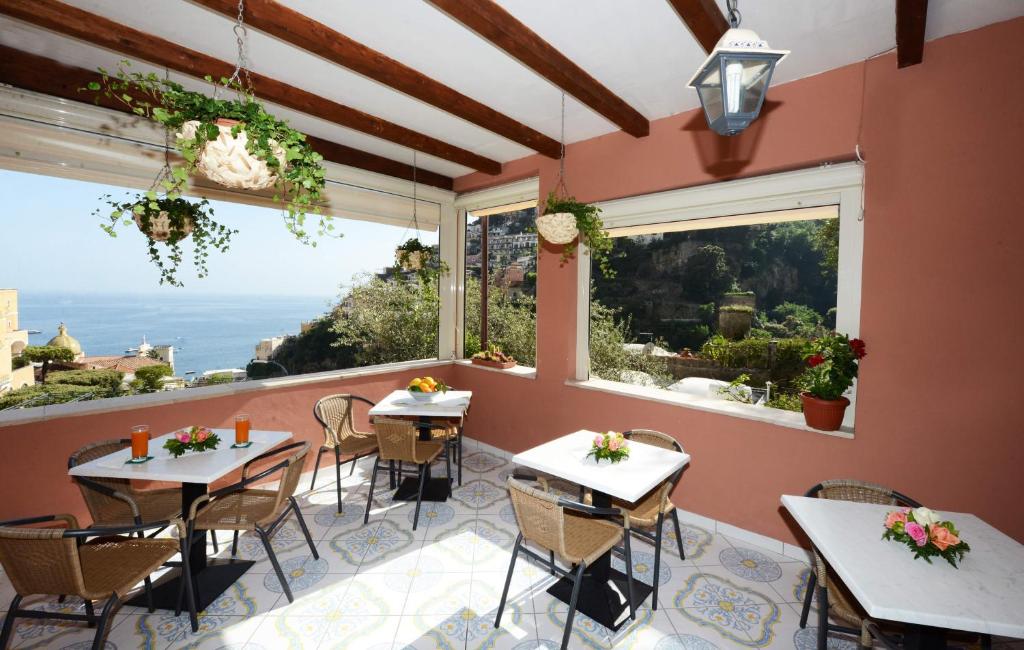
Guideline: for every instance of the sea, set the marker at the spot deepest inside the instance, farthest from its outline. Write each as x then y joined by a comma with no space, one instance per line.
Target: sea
208,332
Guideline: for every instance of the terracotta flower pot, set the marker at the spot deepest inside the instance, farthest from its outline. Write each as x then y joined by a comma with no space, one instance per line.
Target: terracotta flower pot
824,414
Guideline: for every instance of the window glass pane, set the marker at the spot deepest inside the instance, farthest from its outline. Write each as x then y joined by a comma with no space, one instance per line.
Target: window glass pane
511,284
694,311
269,305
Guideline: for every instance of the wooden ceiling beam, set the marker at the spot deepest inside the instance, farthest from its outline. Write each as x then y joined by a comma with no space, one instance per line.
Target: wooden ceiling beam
316,38
911,20
42,75
704,19
493,23
97,30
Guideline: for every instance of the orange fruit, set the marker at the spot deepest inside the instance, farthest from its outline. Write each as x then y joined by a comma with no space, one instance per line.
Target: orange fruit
426,388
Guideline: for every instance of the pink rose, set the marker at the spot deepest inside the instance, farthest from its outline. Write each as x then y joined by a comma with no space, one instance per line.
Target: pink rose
917,533
202,435
895,517
598,441
943,538
184,436
613,444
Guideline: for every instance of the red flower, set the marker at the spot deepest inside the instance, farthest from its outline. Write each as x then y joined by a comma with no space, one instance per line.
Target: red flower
857,346
815,360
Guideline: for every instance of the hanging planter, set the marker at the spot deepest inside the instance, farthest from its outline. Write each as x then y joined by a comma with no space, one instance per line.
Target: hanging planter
166,222
557,227
235,143
415,257
586,221
227,161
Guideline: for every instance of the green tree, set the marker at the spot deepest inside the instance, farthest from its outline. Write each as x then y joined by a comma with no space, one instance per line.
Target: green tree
386,321
147,379
512,322
609,359
46,354
43,394
706,274
220,378
826,242
109,381
317,349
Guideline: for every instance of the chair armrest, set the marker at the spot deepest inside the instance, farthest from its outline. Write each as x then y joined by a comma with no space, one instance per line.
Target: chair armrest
268,454
235,487
69,520
613,511
100,531
363,400
113,494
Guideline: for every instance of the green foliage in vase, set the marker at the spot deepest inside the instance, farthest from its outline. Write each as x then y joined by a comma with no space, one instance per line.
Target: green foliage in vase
300,184
588,222
184,218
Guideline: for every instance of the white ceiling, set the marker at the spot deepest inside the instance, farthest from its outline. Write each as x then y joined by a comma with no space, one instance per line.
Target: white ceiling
639,49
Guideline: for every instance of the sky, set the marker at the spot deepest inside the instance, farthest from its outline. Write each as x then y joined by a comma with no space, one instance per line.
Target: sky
51,240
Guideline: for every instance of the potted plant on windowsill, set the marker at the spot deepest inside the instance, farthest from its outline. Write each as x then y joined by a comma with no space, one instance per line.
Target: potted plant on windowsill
832,364
567,221
234,142
168,220
493,357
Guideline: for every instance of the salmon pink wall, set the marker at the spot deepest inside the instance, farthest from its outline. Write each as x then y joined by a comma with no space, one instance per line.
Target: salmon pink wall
33,465
942,281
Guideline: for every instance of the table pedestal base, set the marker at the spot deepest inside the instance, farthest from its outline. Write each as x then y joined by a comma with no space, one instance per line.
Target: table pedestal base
922,637
603,601
434,489
213,580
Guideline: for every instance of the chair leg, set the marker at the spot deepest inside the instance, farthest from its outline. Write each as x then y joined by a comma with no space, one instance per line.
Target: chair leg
148,585
419,495
657,558
392,483
305,530
811,582
5,633
458,456
630,596
679,533
822,617
352,470
234,544
552,562
213,538
316,468
369,497
448,468
90,613
337,475
275,564
101,627
577,580
508,581
190,594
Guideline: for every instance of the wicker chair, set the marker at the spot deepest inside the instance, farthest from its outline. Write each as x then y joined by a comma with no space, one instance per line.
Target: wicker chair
92,564
833,597
579,534
334,413
239,507
399,443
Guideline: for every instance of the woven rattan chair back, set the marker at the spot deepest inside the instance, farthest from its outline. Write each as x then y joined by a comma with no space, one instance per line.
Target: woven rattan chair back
859,491
336,412
41,561
396,439
102,507
655,438
541,520
290,478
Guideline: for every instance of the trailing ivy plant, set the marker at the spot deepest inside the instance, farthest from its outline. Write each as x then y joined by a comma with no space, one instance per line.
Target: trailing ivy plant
588,222
300,184
431,265
184,218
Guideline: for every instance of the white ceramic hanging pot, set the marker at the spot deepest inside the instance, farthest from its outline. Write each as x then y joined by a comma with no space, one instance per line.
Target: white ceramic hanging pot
227,162
557,228
160,227
410,261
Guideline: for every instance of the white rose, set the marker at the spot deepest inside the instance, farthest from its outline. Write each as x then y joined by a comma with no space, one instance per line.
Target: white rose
926,517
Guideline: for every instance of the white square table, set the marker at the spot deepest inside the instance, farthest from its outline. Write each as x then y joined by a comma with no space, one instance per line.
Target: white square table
195,471
602,593
400,403
984,595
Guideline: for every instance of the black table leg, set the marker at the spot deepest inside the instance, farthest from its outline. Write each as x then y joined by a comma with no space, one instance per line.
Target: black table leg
922,637
603,595
212,577
434,489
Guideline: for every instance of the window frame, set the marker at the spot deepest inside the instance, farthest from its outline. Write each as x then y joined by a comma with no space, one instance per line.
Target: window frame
841,185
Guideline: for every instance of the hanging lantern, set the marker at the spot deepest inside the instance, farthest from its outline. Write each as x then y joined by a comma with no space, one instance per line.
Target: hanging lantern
732,82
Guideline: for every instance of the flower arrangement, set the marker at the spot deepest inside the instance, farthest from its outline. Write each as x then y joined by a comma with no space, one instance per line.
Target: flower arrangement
194,439
923,531
611,446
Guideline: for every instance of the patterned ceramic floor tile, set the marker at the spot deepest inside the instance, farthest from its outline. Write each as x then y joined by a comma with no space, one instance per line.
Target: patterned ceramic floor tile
482,462
375,595
782,559
741,615
346,632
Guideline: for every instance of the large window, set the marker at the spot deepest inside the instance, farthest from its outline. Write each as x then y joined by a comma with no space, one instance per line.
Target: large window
501,282
269,306
719,287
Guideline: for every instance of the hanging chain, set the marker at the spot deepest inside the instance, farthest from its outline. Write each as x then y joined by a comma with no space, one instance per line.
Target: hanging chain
165,171
560,189
734,14
240,76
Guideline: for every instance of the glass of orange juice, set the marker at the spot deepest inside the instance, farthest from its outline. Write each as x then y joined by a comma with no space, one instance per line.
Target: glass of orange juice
140,441
242,429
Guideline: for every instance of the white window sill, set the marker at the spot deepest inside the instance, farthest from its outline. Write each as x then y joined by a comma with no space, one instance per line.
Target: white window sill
777,417
525,372
36,413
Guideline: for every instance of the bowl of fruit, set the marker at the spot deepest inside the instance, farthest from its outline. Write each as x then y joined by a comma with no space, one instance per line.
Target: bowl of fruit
427,389
493,357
